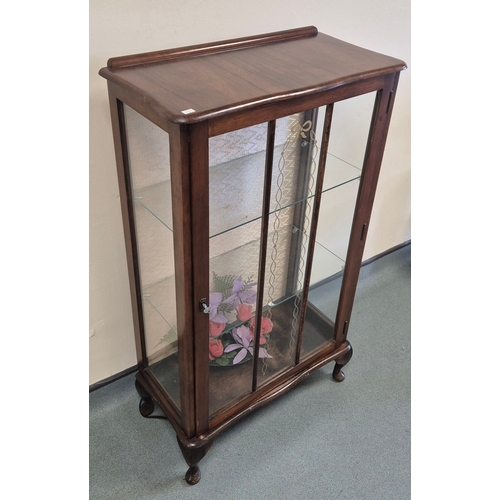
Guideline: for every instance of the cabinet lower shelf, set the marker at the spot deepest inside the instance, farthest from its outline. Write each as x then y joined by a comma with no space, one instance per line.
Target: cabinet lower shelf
229,385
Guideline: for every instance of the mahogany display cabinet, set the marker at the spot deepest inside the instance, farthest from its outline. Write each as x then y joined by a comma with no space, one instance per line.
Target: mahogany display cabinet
236,214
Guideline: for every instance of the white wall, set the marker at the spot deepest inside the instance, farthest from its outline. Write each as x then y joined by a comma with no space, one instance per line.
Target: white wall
121,27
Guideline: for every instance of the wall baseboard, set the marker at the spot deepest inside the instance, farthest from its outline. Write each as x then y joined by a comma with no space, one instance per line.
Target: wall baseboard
364,263
113,378
386,252
134,368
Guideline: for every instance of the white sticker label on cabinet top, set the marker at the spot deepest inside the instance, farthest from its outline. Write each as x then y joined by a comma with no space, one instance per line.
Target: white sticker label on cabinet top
187,111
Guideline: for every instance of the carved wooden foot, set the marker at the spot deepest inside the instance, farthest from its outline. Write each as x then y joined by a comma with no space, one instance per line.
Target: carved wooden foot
146,406
193,456
338,375
193,475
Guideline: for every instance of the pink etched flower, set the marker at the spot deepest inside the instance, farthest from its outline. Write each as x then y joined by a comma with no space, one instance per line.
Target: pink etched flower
215,349
216,328
266,326
244,312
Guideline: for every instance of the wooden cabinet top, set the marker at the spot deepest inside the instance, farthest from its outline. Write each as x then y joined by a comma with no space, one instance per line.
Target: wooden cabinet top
191,84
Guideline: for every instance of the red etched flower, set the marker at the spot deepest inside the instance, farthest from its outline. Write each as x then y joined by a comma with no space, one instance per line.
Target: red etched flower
216,328
215,349
266,326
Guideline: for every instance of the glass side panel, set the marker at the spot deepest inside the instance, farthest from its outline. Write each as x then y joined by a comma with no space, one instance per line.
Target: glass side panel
348,139
350,128
150,178
332,238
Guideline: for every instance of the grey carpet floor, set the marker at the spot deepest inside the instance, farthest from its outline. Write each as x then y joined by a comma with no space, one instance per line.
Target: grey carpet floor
321,440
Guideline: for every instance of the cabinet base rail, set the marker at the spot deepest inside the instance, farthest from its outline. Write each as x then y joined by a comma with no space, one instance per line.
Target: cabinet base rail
195,448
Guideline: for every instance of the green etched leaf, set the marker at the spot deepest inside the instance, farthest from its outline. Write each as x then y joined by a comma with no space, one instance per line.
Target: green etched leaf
223,284
166,339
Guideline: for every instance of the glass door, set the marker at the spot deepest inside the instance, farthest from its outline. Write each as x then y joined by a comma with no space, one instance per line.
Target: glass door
270,244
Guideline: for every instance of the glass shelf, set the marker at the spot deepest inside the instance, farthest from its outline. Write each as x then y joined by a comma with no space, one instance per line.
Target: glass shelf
160,297
234,188
157,200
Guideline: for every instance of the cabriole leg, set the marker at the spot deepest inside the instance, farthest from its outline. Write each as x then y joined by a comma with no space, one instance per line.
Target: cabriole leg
146,406
338,375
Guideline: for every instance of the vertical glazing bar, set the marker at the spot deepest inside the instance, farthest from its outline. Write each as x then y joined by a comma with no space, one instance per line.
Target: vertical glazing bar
126,200
199,181
266,202
314,224
182,216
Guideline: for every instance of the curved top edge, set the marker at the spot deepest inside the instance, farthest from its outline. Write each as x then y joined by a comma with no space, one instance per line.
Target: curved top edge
258,78
189,119
210,48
